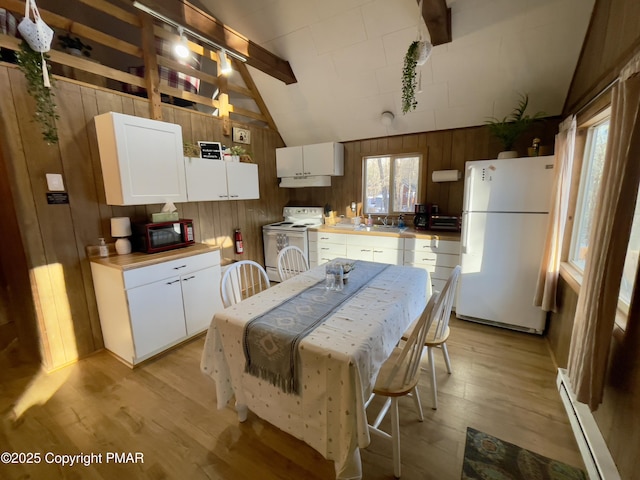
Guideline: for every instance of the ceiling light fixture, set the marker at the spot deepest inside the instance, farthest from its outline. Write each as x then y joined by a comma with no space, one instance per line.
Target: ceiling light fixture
387,118
181,48
225,65
186,31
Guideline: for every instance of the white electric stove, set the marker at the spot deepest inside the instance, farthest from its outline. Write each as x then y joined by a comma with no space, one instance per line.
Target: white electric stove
291,231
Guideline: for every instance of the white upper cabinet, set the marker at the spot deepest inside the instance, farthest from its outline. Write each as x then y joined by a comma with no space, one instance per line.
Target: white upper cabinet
142,160
242,181
310,160
218,180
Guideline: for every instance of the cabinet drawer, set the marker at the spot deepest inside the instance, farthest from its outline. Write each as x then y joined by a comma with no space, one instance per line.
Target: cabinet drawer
340,238
432,245
375,241
334,249
170,268
435,271
437,284
431,258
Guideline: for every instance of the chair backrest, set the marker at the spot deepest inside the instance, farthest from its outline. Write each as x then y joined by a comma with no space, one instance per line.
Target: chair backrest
406,368
242,280
442,309
291,262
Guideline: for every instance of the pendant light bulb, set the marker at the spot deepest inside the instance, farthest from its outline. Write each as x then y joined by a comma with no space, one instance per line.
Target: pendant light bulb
181,48
225,65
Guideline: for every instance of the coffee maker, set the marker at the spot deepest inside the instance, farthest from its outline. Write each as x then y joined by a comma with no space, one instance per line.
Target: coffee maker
421,218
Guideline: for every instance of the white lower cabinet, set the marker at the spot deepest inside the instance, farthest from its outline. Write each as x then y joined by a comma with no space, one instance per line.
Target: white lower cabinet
324,247
438,257
374,248
148,309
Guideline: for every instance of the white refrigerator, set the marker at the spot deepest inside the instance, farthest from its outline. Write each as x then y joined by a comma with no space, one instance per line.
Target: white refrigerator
504,223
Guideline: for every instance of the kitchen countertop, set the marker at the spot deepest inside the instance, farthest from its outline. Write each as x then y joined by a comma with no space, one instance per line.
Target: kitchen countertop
139,259
408,233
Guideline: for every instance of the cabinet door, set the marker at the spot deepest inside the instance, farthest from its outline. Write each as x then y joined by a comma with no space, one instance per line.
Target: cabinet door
313,253
142,160
201,297
387,255
157,317
206,179
323,159
242,181
289,162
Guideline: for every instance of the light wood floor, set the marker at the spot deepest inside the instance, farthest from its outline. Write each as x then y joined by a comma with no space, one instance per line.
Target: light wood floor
503,383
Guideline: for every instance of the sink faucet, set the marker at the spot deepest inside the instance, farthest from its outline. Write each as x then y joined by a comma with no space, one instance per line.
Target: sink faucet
383,220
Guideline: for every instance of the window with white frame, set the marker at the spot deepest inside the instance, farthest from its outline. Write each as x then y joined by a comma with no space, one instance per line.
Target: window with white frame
391,183
592,167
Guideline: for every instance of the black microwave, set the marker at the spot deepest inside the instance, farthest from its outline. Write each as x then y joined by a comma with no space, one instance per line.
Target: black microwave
161,236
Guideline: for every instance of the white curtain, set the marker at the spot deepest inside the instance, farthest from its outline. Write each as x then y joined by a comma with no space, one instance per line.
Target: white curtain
550,265
608,240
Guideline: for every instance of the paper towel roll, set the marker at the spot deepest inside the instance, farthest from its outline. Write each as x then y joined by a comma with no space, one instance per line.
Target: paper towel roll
445,176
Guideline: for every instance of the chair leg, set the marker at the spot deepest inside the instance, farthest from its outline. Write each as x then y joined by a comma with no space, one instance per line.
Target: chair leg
445,354
416,400
432,367
395,437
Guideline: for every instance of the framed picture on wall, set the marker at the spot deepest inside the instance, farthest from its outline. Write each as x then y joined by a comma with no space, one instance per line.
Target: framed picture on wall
241,135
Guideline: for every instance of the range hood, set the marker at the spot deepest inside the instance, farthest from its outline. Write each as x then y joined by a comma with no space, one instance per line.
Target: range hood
310,181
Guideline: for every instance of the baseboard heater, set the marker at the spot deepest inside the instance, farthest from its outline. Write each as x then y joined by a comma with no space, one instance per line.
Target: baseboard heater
595,454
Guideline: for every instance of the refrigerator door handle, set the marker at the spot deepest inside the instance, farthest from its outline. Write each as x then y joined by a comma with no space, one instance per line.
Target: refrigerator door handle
465,233
468,183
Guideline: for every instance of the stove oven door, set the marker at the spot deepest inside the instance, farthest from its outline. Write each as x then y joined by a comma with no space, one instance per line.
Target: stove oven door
276,240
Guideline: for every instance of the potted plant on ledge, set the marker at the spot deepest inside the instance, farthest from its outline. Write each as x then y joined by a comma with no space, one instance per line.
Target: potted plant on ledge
75,46
509,129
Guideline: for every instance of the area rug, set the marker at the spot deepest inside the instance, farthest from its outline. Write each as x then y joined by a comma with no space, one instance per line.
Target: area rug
489,458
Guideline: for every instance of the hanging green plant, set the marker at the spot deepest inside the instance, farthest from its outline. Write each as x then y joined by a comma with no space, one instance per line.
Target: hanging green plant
409,80
30,63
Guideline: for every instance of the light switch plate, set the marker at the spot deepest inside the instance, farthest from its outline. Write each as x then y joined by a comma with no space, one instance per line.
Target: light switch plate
54,182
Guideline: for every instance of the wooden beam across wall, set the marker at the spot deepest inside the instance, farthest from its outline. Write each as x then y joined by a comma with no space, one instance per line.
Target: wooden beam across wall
151,76
437,17
191,17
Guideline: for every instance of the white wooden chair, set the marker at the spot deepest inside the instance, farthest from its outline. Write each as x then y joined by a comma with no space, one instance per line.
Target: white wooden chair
439,332
398,377
242,280
291,262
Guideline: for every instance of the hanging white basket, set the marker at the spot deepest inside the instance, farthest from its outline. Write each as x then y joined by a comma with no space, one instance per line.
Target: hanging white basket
35,32
424,51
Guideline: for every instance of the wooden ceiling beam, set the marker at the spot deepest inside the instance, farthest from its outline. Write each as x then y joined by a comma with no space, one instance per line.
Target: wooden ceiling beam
191,17
437,17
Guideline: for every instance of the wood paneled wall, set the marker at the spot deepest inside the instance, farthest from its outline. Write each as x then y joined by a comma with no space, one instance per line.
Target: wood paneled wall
613,37
611,41
443,150
55,237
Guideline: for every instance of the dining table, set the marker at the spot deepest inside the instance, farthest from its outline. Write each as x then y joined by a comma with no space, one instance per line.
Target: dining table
313,383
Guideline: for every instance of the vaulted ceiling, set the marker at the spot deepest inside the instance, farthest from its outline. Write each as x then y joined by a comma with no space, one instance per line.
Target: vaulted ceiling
347,56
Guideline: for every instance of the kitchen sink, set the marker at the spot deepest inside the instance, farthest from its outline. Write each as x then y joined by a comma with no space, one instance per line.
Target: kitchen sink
345,226
388,228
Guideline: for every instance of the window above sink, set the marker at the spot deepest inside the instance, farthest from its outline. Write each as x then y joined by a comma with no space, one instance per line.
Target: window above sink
391,183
